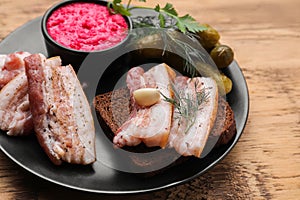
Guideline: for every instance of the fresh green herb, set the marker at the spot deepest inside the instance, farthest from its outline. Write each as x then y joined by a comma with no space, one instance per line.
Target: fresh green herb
186,105
184,23
171,40
116,6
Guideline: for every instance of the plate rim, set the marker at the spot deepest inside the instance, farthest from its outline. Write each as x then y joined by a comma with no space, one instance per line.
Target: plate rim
137,191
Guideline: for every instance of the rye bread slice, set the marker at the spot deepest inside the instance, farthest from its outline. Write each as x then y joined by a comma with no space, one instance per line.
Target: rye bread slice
224,127
113,108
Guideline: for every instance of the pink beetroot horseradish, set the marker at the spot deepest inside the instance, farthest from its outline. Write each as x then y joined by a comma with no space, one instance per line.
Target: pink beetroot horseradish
86,27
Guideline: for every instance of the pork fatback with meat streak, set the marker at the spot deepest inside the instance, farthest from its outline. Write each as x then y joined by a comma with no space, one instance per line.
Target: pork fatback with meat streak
150,125
61,114
189,137
15,115
10,66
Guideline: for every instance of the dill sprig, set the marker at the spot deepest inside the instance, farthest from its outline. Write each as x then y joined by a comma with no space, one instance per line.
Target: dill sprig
186,105
173,40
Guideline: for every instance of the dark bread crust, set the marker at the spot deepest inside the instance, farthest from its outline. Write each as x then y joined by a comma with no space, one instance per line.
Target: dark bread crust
222,133
105,103
224,128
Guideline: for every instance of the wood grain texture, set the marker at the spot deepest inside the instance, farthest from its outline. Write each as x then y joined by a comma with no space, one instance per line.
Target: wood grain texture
265,164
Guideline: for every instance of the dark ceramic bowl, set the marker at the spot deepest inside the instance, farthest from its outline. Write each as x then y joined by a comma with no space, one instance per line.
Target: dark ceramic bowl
69,55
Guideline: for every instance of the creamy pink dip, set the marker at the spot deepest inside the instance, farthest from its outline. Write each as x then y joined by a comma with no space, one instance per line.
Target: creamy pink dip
86,27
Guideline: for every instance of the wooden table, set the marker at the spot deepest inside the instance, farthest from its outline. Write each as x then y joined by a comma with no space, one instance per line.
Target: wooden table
265,164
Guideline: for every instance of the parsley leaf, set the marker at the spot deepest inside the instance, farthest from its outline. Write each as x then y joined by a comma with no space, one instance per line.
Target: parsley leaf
116,7
184,24
170,10
157,8
189,23
162,20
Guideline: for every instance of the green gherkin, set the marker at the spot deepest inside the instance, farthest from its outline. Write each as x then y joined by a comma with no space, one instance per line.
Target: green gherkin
222,56
209,37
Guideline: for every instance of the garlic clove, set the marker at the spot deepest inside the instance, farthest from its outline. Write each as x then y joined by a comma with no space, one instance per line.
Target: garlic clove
146,96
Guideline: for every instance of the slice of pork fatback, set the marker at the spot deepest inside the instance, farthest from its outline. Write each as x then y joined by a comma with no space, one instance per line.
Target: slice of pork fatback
15,115
150,125
189,138
10,66
61,114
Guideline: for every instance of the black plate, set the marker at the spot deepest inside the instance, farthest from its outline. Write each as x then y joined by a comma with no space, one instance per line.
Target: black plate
99,178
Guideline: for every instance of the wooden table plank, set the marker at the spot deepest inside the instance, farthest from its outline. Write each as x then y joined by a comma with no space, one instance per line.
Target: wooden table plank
265,163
